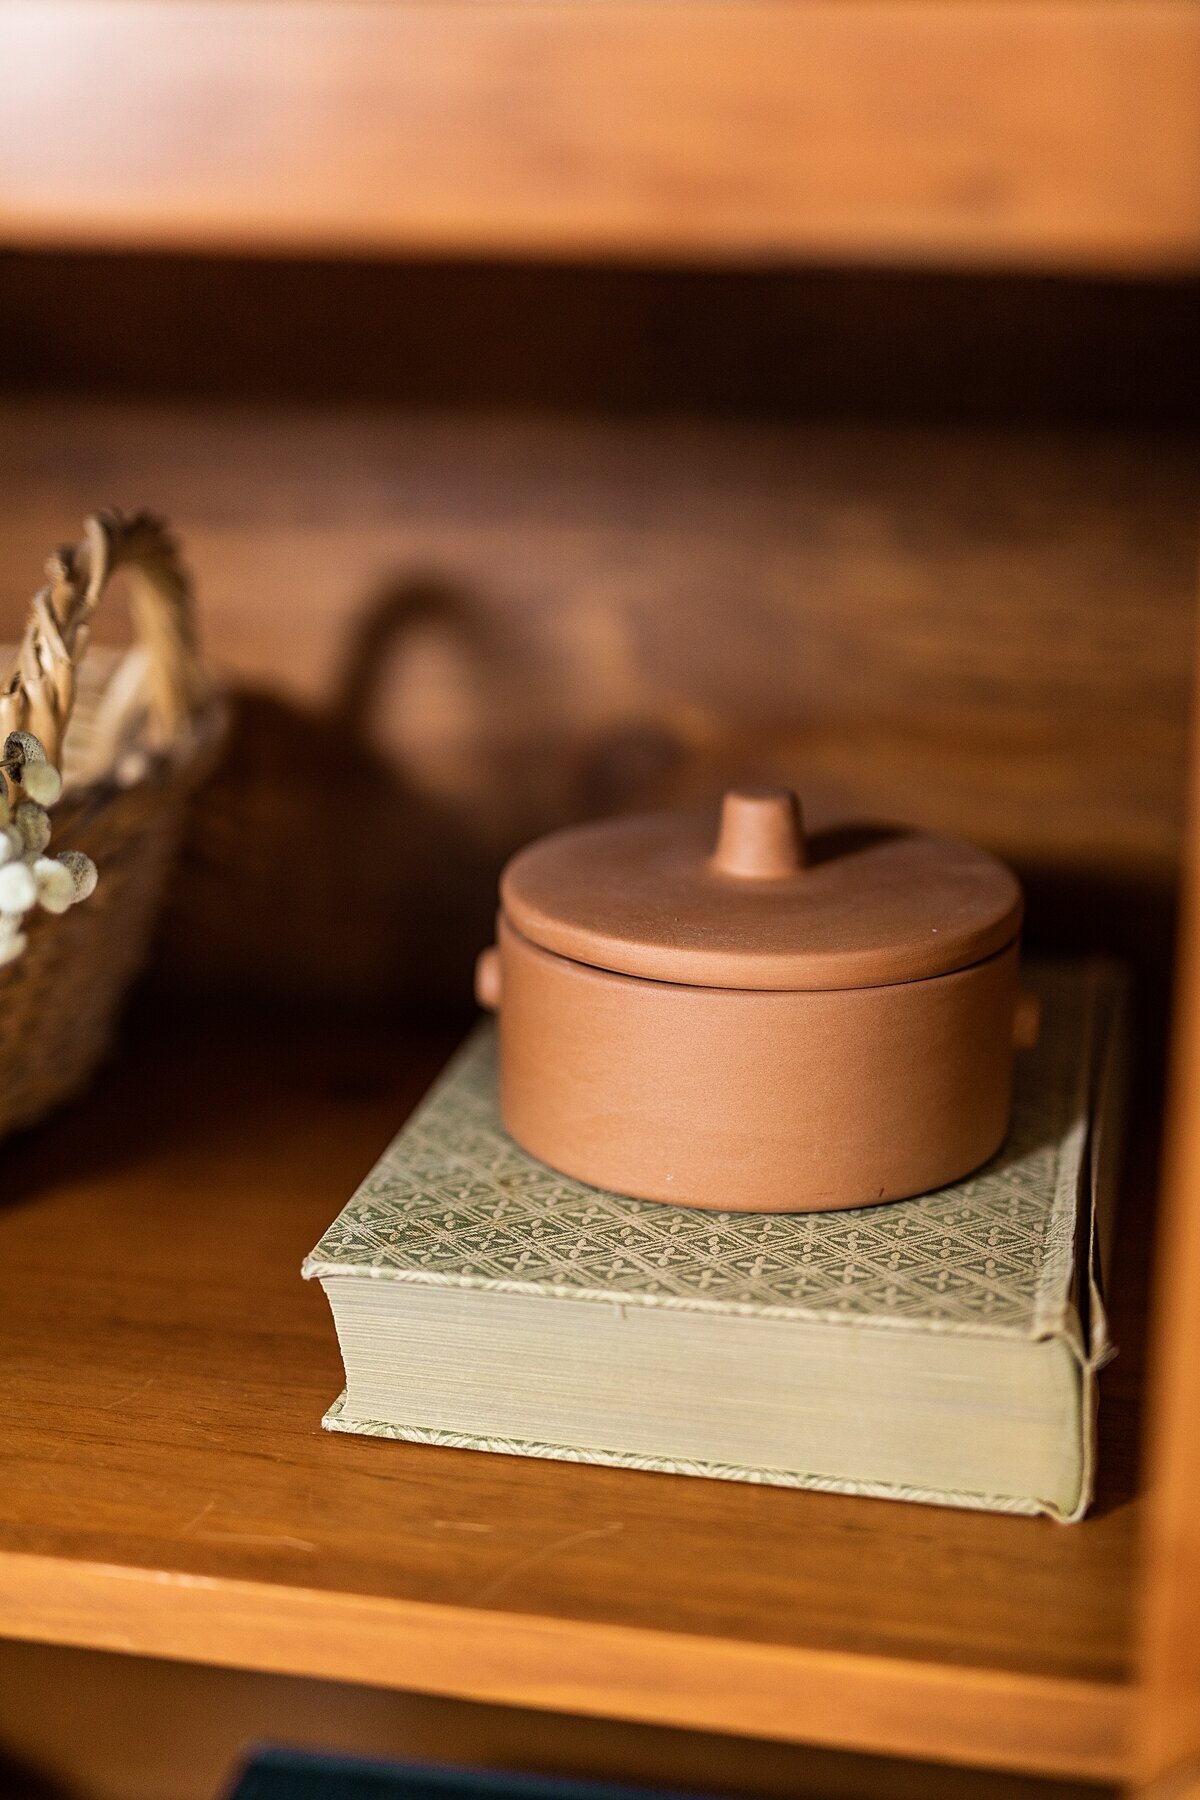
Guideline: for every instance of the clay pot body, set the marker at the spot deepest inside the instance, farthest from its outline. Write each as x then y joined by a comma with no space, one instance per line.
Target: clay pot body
745,1100
760,1097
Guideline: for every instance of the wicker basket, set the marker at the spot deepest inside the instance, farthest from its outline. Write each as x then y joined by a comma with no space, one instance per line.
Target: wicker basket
133,732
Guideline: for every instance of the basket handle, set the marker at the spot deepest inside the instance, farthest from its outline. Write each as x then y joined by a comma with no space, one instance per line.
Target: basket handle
40,695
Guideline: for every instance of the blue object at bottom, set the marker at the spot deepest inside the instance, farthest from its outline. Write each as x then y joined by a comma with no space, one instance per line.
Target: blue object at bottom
297,1775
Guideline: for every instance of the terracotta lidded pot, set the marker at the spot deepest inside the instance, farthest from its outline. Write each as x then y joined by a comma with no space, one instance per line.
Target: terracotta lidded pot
722,1013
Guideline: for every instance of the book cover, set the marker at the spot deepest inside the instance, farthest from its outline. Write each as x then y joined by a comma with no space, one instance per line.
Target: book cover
1010,1252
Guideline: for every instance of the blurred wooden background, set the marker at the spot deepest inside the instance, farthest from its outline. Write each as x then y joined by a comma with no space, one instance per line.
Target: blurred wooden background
478,571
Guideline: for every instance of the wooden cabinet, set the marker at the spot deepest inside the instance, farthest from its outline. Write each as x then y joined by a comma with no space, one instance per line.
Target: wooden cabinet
796,388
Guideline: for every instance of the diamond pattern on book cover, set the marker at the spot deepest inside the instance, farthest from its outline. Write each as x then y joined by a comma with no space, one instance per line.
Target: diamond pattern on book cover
455,1202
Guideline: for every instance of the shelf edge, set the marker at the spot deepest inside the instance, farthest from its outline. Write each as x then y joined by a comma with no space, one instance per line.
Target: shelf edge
1042,136
1037,1724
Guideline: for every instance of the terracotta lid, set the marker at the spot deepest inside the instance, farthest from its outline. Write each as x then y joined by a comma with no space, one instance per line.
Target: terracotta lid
744,900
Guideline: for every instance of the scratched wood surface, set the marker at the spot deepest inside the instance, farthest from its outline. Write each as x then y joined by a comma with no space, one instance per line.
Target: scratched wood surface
167,1490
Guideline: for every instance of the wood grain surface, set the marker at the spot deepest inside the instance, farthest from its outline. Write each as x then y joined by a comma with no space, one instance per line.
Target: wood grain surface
1168,1738
119,1727
1044,132
167,1489
981,630
499,623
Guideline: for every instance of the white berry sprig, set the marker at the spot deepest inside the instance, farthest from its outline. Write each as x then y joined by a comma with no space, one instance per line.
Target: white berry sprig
28,877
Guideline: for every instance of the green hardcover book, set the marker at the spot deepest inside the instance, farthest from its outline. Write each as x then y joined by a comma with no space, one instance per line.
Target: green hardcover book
942,1349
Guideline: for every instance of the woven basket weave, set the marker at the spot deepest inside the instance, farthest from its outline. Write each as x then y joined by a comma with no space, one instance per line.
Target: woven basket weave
133,733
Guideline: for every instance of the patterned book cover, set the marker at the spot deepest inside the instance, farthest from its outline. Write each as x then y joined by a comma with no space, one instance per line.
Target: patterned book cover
1007,1252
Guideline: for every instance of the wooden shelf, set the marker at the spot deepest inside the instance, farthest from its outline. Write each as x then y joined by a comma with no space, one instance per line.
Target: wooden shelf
1044,134
167,1490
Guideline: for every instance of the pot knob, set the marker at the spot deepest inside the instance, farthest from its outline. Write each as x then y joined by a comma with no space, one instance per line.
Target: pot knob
761,836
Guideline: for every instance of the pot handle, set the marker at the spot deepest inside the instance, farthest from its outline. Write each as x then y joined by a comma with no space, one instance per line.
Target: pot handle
487,979
1027,1020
